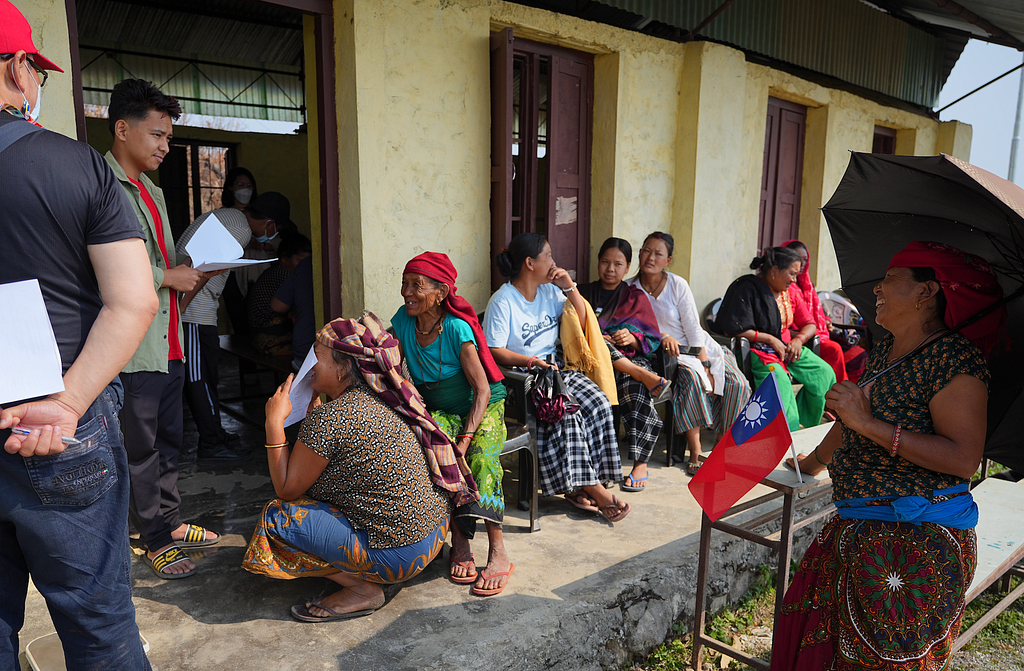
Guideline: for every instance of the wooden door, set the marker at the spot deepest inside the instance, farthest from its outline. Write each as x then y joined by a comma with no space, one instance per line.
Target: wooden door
541,127
782,173
569,165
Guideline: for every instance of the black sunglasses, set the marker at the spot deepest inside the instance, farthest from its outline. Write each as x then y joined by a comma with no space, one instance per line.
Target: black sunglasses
44,74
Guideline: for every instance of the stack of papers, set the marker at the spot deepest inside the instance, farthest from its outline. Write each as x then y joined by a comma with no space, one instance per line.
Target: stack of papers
30,366
213,248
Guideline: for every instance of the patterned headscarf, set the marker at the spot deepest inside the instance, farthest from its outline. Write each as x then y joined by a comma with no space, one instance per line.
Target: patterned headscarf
379,361
968,284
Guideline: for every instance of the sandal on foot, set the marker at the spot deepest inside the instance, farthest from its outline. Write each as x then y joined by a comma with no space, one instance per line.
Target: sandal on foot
692,468
169,557
663,391
576,498
632,486
496,590
196,537
616,510
468,564
302,614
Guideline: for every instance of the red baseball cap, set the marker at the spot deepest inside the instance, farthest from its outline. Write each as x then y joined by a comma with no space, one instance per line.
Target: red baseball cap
16,35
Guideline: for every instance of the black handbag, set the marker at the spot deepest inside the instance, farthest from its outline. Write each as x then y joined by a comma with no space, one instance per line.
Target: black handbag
551,399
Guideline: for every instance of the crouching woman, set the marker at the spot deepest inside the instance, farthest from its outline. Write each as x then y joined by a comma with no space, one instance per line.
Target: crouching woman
366,493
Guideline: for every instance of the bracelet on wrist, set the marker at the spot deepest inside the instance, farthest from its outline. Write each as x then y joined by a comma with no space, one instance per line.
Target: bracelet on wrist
756,333
896,435
532,361
465,435
276,446
569,290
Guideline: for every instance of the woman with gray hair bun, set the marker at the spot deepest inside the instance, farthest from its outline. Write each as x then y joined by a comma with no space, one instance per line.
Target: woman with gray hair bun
758,307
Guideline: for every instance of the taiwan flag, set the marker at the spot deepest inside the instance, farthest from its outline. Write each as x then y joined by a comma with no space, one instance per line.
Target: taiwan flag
749,451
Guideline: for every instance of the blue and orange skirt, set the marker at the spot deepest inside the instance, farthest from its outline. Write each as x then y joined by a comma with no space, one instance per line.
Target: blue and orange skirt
306,538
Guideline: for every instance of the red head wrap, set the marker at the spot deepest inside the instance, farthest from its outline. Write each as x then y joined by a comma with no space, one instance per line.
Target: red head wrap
968,284
439,267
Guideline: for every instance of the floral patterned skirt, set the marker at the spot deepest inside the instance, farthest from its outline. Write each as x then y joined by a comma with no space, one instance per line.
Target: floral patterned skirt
876,595
306,538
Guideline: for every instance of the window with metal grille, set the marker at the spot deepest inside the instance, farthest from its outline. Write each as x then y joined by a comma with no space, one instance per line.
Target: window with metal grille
192,179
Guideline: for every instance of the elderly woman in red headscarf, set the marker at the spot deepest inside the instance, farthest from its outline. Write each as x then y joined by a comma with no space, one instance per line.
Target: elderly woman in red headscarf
453,369
883,584
364,497
846,360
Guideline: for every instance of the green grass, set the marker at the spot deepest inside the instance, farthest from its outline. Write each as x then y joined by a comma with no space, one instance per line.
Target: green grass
1005,634
1002,638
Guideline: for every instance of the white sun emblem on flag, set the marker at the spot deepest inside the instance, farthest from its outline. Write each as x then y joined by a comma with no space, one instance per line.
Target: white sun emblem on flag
754,413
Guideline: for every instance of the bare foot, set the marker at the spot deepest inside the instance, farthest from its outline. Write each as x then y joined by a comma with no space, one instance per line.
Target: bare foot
179,533
349,599
174,569
460,554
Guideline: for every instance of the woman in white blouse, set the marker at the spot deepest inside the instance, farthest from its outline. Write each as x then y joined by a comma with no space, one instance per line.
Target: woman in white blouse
711,389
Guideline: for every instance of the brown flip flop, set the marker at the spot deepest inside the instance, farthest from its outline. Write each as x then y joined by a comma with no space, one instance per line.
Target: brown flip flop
616,510
574,499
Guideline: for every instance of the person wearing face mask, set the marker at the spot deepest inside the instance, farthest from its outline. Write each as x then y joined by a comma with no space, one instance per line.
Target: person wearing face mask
152,420
64,512
239,189
268,215
216,447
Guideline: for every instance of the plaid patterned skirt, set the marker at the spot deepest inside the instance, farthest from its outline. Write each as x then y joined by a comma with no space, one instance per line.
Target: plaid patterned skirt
876,595
640,418
581,449
306,538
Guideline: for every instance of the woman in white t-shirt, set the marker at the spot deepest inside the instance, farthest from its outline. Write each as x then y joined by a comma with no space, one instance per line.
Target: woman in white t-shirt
579,453
711,388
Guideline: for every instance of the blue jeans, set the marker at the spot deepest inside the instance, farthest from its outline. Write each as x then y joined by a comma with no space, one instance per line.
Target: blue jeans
64,521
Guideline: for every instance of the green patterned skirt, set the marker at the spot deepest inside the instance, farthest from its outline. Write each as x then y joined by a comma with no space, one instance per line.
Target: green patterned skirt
483,458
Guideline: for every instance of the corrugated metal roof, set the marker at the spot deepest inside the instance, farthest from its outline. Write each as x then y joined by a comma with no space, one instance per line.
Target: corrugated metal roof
216,29
200,87
850,40
231,58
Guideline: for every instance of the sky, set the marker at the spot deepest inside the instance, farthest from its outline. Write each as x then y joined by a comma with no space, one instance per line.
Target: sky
990,111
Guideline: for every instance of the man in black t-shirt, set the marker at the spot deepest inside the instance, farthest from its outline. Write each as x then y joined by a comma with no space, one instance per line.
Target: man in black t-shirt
65,222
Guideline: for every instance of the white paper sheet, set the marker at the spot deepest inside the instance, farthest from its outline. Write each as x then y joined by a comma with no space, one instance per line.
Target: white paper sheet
212,247
302,391
227,265
30,365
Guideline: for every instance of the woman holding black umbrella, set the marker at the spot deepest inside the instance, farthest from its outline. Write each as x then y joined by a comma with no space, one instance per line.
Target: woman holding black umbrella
883,584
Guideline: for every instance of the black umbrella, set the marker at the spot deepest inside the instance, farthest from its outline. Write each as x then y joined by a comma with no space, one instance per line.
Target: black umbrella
885,202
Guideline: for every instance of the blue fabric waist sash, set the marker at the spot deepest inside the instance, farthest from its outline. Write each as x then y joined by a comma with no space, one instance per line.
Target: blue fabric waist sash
959,512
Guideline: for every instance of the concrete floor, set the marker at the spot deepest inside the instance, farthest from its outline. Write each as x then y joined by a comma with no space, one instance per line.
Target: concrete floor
585,594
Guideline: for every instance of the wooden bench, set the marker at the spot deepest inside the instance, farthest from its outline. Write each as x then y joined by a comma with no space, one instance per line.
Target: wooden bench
240,348
1000,547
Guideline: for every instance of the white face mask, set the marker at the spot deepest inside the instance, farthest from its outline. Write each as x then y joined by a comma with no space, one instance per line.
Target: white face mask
31,113
243,196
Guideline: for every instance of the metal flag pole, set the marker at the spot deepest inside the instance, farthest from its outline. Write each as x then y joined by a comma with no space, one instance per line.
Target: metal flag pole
1017,123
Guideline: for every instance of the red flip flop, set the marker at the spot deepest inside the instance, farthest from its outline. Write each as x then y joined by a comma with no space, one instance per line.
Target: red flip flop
497,590
468,564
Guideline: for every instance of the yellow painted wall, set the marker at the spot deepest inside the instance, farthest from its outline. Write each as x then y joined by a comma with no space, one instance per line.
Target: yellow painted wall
49,22
678,143
413,114
278,162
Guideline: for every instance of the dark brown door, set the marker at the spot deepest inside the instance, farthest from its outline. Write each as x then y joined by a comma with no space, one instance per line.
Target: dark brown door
782,173
541,100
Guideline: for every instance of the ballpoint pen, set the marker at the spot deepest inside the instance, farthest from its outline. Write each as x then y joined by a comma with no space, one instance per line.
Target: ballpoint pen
67,440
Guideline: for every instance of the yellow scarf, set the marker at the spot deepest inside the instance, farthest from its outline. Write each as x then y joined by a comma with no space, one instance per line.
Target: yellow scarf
585,350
